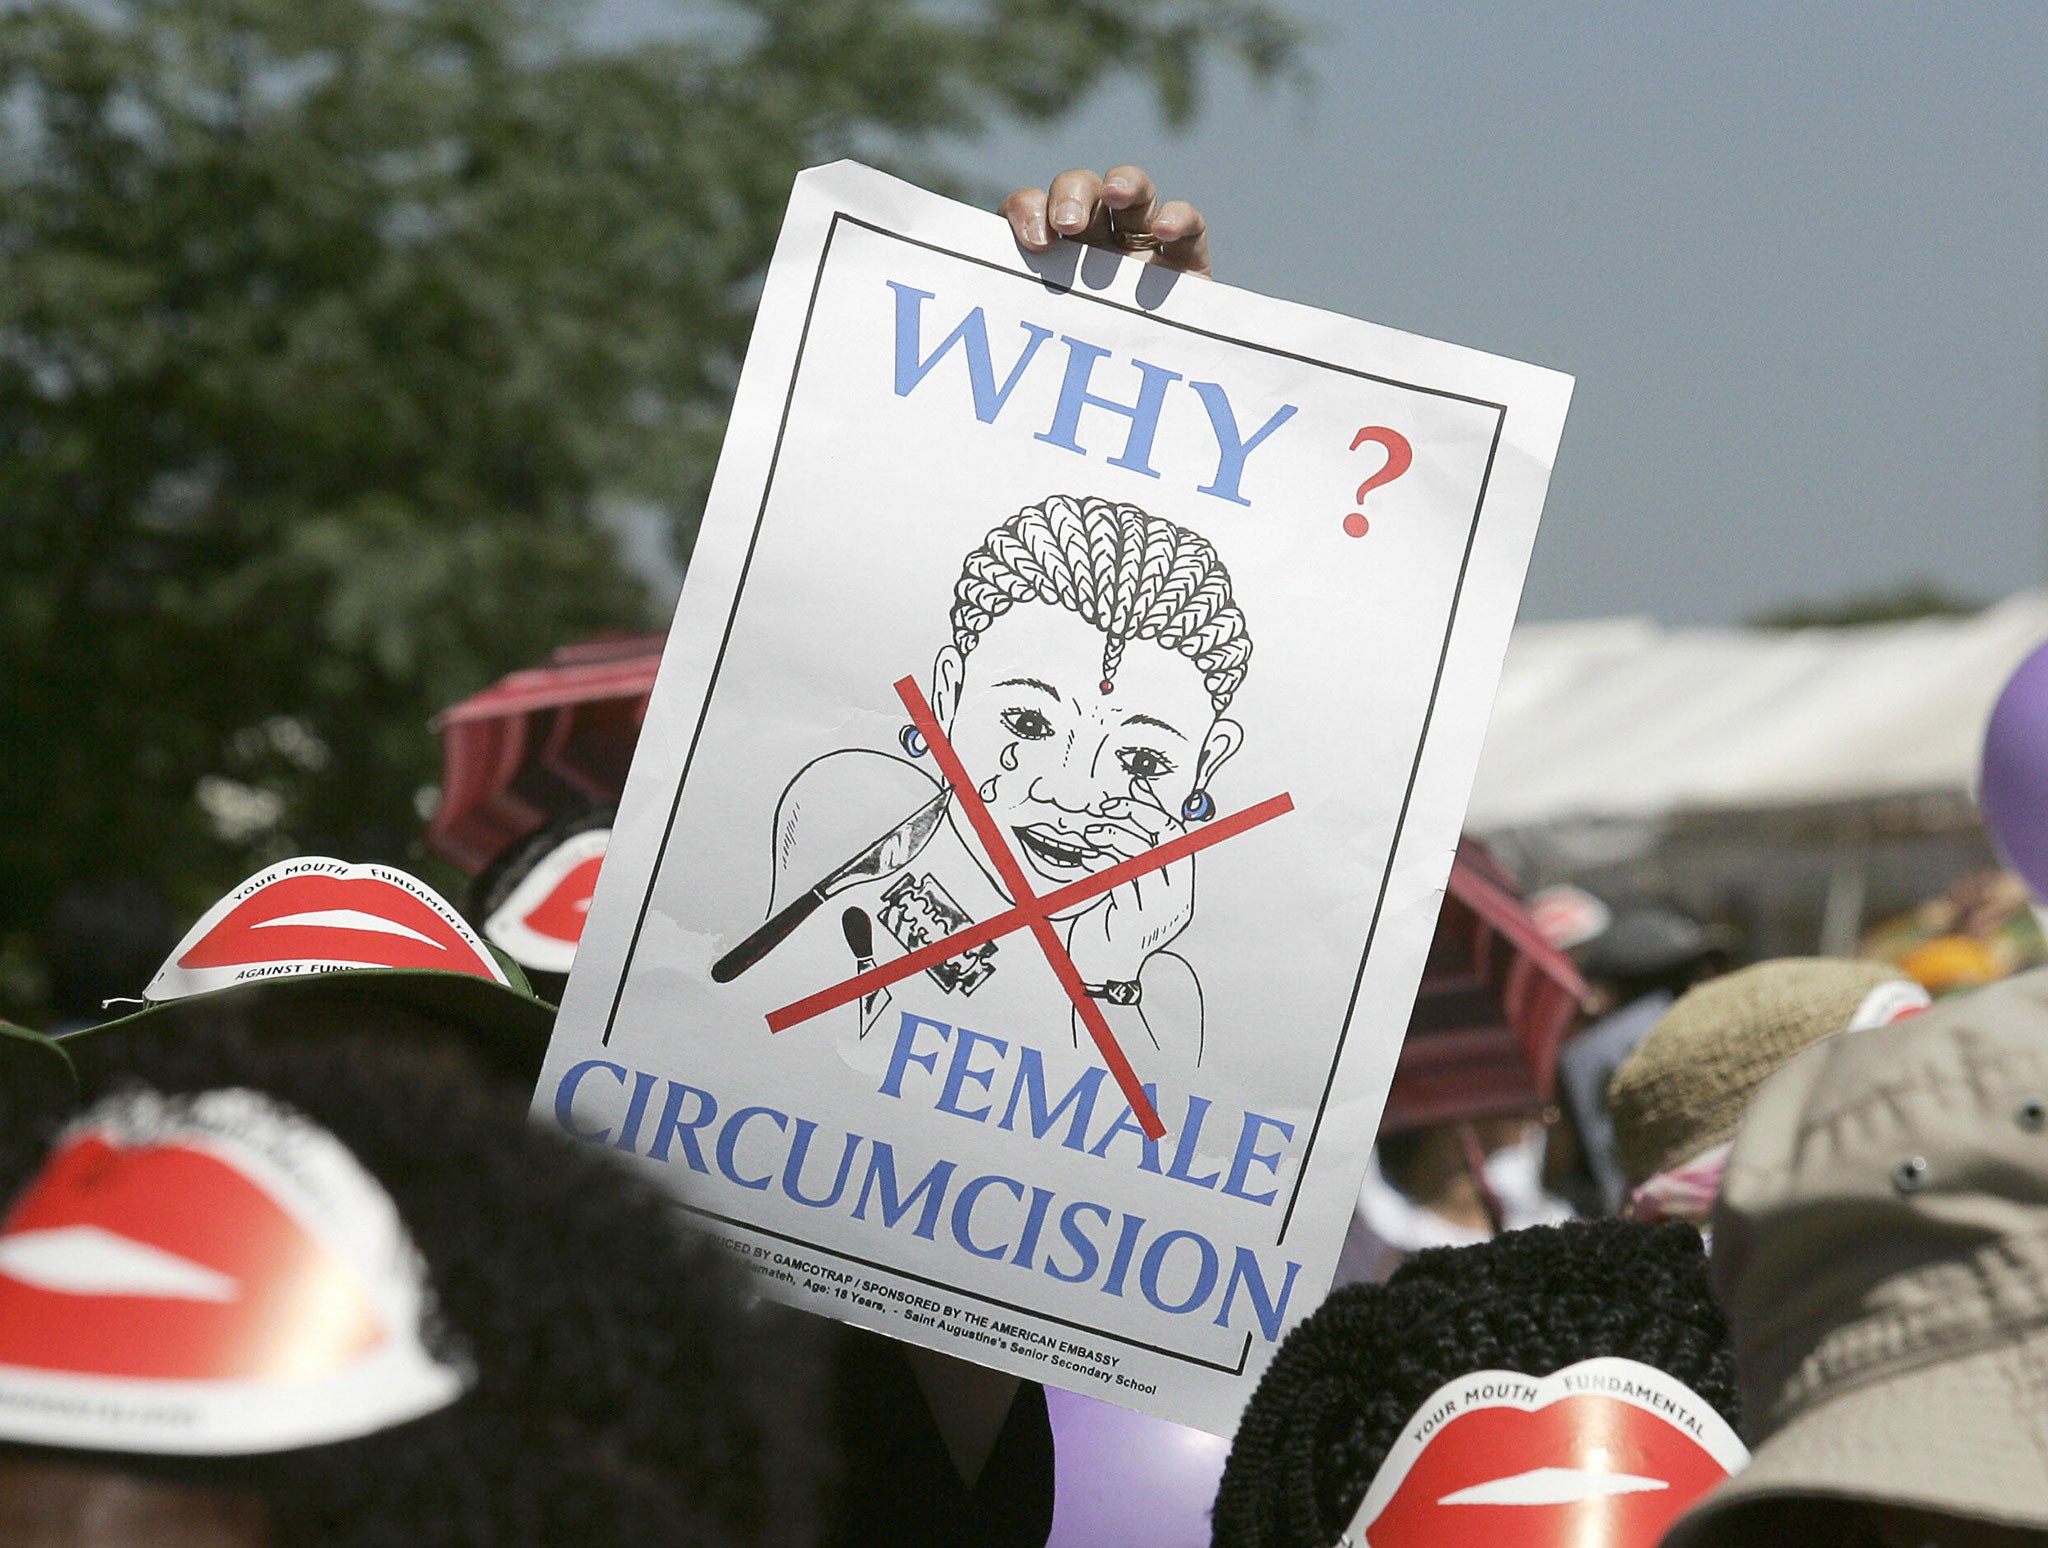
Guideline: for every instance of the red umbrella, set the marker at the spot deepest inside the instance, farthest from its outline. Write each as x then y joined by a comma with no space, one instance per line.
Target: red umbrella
1496,1001
538,743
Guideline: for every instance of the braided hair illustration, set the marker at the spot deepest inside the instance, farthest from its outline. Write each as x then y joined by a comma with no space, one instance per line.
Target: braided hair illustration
1132,575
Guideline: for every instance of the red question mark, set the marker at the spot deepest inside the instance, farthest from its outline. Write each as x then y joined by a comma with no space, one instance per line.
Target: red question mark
1400,455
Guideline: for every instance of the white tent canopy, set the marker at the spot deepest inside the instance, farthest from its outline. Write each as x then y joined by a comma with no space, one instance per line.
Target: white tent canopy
1618,720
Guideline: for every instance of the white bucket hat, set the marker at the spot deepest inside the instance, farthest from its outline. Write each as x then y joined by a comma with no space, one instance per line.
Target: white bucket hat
1881,1248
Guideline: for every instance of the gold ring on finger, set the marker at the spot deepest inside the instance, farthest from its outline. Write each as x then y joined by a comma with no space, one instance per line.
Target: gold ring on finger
1134,241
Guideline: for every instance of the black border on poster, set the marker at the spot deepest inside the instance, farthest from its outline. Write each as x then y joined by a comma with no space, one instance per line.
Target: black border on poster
1400,821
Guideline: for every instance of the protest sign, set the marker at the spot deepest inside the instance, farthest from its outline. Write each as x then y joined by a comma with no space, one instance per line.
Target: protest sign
1041,814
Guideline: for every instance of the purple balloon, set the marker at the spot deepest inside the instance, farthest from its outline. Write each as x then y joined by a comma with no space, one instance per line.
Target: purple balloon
2014,787
1124,1478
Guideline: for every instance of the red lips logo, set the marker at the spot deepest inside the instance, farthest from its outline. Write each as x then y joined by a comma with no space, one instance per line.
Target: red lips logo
210,1274
165,1261
1605,1454
541,921
315,915
1893,1000
560,915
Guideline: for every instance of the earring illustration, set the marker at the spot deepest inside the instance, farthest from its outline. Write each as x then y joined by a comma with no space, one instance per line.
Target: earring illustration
1198,807
913,741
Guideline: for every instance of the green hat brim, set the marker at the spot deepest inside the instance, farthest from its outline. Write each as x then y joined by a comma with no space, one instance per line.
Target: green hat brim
34,1064
504,1027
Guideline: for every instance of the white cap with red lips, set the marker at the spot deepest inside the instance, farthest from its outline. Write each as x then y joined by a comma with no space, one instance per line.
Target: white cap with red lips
210,1275
308,927
540,923
315,915
1602,1454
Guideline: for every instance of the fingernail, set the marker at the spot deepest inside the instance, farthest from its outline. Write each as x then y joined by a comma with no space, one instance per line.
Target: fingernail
1067,213
1035,232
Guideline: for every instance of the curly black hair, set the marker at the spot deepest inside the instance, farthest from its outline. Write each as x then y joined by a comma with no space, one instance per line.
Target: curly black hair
624,1393
1534,1301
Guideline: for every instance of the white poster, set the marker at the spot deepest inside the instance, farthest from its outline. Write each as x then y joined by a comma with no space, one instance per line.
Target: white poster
1039,824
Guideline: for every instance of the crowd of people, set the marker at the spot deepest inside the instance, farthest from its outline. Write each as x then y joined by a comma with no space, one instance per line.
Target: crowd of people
286,1262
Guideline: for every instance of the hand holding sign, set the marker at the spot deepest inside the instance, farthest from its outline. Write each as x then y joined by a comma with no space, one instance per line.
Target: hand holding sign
1080,516
1120,211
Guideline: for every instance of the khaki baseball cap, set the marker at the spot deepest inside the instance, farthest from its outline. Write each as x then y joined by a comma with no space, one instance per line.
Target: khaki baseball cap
1881,1248
1683,1090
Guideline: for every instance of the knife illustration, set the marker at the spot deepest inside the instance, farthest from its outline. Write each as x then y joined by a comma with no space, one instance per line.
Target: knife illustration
891,852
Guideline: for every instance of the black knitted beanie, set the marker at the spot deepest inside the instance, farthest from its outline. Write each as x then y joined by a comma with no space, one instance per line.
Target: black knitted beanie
1532,1301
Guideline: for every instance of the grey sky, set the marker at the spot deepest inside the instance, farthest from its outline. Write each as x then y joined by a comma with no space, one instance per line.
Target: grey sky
1795,255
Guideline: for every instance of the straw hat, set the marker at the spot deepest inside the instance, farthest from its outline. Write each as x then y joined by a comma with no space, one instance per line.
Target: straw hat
1881,1246
1683,1090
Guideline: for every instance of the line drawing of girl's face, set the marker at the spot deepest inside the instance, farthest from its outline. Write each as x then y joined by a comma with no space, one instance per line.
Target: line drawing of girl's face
1076,779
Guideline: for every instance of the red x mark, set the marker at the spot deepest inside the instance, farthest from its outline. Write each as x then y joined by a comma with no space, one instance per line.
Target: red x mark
1031,912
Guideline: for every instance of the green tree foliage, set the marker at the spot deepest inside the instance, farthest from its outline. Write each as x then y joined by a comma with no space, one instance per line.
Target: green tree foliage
331,329
1912,599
